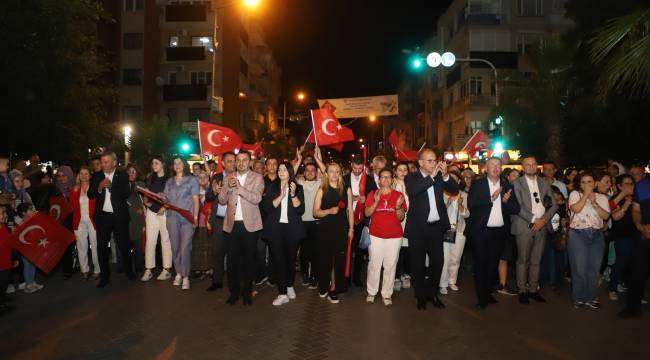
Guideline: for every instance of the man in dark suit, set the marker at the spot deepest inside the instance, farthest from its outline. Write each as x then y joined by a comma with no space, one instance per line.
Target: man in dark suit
352,180
426,223
491,202
110,187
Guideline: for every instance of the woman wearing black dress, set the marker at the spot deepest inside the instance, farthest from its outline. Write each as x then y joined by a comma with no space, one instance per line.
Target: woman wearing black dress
332,205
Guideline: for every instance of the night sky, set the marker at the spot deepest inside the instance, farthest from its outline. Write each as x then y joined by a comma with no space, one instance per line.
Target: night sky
345,48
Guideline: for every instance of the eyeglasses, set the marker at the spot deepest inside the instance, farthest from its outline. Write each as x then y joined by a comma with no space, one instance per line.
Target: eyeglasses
536,195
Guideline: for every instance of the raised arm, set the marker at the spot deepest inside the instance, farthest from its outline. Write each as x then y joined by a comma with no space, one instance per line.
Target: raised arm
415,185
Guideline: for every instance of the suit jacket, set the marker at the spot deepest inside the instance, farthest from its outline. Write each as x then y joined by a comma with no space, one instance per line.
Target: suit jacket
417,186
120,192
479,202
522,220
294,214
251,196
76,208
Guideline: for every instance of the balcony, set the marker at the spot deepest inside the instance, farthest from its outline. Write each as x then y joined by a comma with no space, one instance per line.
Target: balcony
194,12
479,100
484,19
185,92
186,53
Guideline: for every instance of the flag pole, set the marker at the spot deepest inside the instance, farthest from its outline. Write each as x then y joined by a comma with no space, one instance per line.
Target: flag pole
422,147
307,139
313,127
198,131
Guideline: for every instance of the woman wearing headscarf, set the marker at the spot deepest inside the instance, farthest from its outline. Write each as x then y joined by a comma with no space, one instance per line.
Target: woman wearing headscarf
65,182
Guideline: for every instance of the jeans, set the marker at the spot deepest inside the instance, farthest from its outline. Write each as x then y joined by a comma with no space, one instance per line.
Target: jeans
623,248
585,247
554,263
180,232
29,271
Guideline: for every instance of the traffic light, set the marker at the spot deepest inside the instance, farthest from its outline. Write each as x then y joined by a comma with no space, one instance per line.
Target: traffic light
416,63
498,148
184,147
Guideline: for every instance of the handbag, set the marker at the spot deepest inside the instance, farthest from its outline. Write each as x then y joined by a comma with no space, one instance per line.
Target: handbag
364,240
450,235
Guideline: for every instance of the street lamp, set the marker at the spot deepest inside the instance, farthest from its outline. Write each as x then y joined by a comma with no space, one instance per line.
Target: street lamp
300,96
373,118
127,142
251,4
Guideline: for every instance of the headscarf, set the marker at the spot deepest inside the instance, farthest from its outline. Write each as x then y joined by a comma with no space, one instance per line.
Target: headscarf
64,189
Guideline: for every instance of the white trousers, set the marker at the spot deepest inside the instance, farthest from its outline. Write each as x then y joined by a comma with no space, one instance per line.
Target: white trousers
155,224
382,252
85,235
453,253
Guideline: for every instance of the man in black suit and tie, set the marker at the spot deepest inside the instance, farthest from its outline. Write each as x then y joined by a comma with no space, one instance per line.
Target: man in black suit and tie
491,201
110,187
426,223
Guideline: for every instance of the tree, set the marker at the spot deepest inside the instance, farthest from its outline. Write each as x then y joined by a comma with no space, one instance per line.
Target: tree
54,66
155,138
275,142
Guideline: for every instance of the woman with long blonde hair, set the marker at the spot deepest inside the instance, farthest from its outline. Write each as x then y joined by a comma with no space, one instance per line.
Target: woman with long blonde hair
83,211
333,206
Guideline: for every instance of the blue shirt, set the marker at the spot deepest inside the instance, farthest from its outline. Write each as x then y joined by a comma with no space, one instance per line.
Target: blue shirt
181,194
642,197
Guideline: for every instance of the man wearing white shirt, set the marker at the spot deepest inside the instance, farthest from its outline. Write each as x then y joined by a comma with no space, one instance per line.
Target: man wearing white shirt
490,202
537,206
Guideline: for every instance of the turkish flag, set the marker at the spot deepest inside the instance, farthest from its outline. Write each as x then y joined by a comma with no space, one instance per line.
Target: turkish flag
216,140
42,241
478,141
400,154
336,146
60,208
327,128
254,148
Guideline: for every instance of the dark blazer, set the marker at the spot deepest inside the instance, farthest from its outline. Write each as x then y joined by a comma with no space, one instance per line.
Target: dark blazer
120,192
294,214
417,186
479,202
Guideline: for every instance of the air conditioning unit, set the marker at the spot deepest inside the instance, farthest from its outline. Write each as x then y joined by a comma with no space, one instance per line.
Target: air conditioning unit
183,32
180,68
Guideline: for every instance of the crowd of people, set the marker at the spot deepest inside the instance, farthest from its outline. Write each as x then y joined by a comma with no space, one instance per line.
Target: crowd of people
529,229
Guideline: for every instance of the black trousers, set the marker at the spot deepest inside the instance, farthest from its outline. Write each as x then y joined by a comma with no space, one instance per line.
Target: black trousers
308,249
487,248
262,267
283,251
107,224
331,253
428,241
358,256
403,267
241,259
640,273
67,260
220,250
5,275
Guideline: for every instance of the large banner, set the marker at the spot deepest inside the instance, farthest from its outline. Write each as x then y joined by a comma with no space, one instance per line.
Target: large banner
384,105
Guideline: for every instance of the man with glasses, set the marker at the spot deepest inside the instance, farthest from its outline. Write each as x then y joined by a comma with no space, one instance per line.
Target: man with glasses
537,206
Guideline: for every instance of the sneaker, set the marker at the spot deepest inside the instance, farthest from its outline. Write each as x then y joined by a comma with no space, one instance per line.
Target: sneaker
21,286
443,291
33,287
305,280
10,289
177,280
388,301
620,288
406,282
397,286
322,295
313,284
579,305
370,299
262,281
644,302
333,298
186,284
613,296
593,305
291,293
280,300
146,276
164,275
505,291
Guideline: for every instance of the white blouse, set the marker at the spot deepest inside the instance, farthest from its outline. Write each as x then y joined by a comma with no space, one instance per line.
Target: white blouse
587,218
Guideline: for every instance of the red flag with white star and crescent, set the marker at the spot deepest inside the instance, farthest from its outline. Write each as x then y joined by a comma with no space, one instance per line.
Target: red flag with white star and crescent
42,240
216,140
327,128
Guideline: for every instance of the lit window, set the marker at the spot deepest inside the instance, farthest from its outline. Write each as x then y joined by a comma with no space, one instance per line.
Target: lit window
173,41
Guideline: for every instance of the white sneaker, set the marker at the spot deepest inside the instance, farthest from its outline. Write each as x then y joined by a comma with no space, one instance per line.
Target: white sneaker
146,276
443,291
620,288
10,289
164,275
33,287
406,282
21,286
323,295
397,286
186,284
291,293
453,287
388,301
370,299
177,280
280,300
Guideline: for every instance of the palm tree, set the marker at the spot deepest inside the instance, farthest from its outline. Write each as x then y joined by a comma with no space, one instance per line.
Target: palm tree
621,47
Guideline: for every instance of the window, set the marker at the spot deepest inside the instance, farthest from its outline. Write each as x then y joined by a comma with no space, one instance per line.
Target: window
195,114
527,41
475,125
171,78
475,85
132,77
133,5
133,41
172,115
205,41
173,41
131,114
243,66
530,7
201,77
489,40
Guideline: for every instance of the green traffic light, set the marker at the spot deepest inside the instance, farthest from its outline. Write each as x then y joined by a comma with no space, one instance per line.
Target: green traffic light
498,120
185,147
417,63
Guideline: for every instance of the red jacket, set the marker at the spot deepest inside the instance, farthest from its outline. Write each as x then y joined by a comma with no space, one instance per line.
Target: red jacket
76,209
5,249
